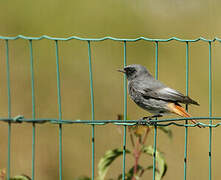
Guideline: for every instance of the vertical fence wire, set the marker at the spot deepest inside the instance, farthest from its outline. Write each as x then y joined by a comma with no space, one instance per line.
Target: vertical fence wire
155,126
125,113
210,111
9,109
92,109
59,109
186,121
33,108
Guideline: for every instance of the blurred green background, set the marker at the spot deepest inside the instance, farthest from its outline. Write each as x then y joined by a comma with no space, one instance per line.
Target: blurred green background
124,19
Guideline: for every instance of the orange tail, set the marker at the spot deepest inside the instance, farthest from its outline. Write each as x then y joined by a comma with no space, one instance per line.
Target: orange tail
179,110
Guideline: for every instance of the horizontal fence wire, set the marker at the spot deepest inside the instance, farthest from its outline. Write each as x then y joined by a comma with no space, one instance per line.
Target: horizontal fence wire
182,122
109,38
161,122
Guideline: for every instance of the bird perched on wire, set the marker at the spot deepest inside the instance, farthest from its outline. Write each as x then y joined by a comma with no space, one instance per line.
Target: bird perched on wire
152,95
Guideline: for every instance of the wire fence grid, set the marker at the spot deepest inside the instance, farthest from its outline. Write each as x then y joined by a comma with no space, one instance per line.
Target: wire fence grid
93,122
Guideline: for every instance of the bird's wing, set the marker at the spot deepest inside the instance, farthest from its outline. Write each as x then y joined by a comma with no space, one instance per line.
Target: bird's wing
160,91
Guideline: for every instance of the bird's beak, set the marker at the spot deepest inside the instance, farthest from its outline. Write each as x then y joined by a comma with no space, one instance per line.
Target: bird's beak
121,70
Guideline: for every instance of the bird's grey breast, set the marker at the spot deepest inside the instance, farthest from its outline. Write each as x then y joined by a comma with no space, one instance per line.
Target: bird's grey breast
145,101
133,91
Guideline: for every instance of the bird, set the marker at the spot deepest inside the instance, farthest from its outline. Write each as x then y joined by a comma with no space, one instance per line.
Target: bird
153,96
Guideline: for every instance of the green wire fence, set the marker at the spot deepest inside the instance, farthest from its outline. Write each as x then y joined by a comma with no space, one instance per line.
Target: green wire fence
93,121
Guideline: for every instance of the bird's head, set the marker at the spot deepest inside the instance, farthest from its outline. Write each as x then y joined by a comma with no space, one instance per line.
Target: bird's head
135,71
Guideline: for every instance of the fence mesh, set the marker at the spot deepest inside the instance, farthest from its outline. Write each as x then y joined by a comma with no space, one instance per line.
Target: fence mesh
93,122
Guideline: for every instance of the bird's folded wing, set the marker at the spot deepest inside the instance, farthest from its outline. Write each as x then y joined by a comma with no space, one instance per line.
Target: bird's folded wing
167,94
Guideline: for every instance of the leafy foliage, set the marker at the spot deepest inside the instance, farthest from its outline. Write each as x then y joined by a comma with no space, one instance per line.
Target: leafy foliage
167,130
139,130
83,178
138,136
161,163
21,177
18,177
130,174
106,161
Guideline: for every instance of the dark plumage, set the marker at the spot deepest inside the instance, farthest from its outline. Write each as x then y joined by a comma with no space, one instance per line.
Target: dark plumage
152,95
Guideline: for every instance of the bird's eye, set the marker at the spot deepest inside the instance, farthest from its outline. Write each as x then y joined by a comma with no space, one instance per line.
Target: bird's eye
130,71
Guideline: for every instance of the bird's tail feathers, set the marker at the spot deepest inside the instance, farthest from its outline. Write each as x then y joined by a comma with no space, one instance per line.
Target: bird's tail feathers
179,110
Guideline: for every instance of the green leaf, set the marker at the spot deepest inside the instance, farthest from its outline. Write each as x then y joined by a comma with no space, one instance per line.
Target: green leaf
167,130
106,161
150,167
83,178
130,173
21,177
161,163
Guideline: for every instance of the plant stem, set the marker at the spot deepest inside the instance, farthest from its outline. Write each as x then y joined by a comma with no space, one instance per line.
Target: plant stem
136,157
138,150
145,135
131,137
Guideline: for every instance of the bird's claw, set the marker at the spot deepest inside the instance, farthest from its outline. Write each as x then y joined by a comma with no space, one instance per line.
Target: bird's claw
148,118
147,122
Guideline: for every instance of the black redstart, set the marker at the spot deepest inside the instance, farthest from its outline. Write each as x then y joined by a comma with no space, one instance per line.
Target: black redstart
152,95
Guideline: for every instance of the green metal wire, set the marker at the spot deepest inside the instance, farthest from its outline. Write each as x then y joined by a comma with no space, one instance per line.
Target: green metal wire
155,126
210,111
156,59
110,38
93,122
59,109
172,121
125,113
33,109
186,121
9,109
92,109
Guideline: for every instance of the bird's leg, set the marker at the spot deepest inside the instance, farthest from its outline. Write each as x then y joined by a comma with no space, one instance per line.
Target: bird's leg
153,116
148,118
